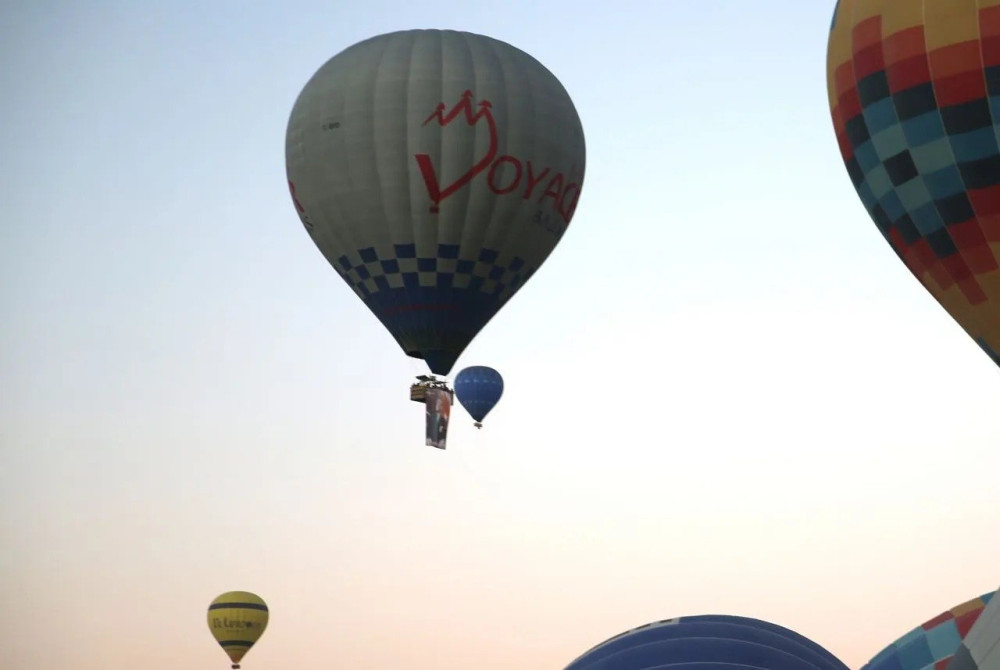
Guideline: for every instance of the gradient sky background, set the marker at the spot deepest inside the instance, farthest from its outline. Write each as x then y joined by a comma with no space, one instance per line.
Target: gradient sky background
724,392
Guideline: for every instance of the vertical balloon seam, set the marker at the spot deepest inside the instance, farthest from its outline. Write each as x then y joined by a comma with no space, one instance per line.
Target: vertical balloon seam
378,209
448,154
979,326
462,222
500,53
395,44
895,111
973,312
410,319
978,322
382,235
345,235
478,238
300,150
986,327
506,222
507,219
326,237
421,322
431,324
866,117
471,241
408,225
992,348
356,80
486,47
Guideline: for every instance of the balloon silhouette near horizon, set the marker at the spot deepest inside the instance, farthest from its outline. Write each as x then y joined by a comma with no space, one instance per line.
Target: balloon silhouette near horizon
708,642
912,89
435,170
478,389
237,619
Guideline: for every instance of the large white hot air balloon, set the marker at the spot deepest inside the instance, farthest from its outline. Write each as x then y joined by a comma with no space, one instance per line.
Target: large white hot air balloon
435,170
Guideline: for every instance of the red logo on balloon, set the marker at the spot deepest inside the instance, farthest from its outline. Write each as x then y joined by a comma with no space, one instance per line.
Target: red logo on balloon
563,192
464,108
298,205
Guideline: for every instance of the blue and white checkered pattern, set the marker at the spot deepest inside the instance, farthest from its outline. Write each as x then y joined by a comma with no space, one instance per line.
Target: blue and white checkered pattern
368,273
433,306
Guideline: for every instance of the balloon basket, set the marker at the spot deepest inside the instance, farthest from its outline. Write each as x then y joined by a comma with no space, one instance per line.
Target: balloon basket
418,391
477,424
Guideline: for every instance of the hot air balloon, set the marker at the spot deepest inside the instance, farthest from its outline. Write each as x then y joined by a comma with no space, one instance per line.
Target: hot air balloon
980,650
436,170
478,389
237,619
932,643
708,642
912,87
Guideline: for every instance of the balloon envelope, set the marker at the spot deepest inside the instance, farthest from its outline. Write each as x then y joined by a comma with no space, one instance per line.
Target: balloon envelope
478,388
237,619
708,642
932,642
436,170
980,650
913,92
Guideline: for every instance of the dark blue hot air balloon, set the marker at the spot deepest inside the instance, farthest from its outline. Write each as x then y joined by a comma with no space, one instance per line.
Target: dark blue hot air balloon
709,642
478,389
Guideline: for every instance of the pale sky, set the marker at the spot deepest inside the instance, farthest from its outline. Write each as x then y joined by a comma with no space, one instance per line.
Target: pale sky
724,392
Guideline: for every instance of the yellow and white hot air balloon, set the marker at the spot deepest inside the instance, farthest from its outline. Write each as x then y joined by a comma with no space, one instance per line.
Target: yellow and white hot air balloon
237,619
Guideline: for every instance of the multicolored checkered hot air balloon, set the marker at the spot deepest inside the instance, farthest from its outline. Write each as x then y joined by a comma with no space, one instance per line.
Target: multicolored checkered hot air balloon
914,90
436,170
708,642
931,645
980,650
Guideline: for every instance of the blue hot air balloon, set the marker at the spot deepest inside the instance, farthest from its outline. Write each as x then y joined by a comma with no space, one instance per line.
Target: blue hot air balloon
709,642
478,389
